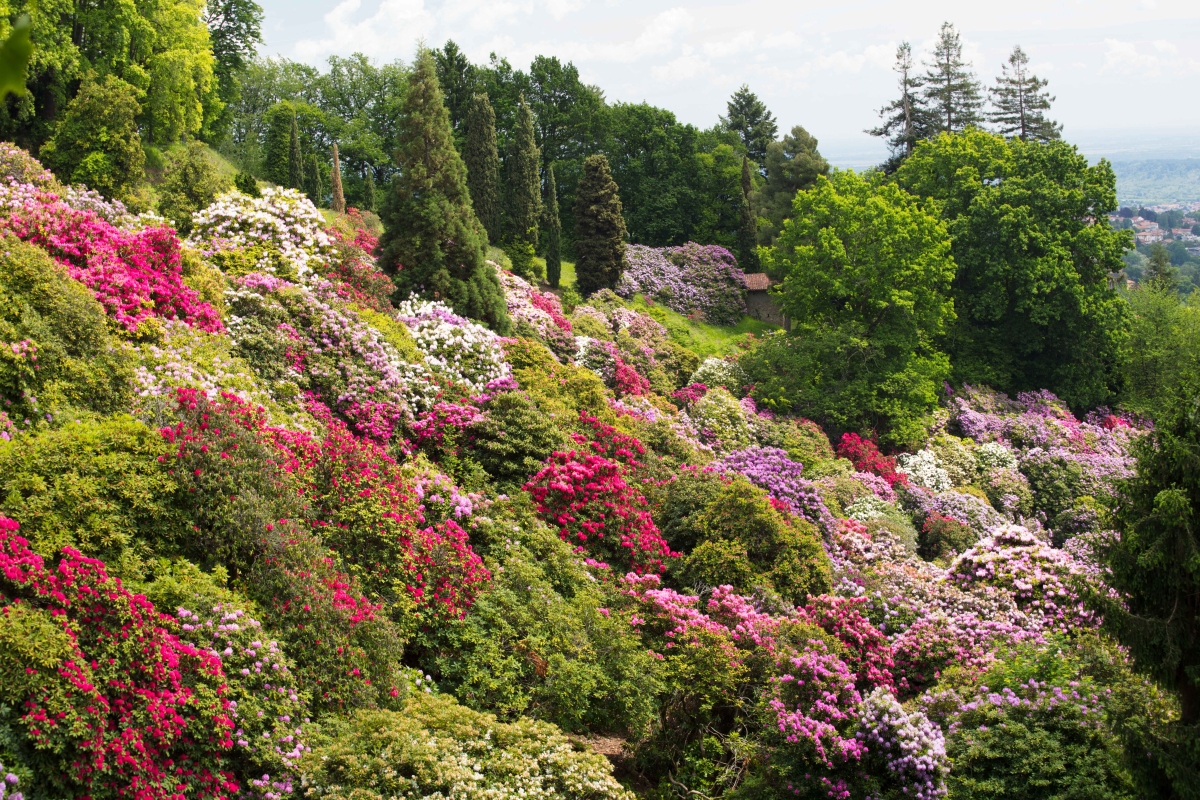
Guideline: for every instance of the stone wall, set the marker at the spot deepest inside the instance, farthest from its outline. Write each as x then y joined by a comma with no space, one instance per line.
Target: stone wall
761,305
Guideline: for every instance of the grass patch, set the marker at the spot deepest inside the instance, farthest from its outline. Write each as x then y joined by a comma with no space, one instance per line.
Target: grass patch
702,338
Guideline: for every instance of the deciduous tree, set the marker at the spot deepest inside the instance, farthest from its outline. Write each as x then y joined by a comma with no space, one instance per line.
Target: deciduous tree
748,234
96,140
335,178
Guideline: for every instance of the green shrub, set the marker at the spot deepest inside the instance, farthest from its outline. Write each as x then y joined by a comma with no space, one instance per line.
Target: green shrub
561,391
96,140
56,324
1054,480
677,505
943,537
434,747
721,421
1008,491
97,486
956,456
513,440
191,184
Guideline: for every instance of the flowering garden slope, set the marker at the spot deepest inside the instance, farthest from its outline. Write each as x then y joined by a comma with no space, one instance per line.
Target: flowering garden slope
263,534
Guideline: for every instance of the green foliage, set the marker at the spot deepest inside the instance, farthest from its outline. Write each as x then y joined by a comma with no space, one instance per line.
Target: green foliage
191,184
537,643
513,440
247,184
747,255
749,118
793,164
1033,252
951,91
338,200
1163,348
866,271
14,57
59,355
553,227
96,140
295,159
482,161
523,206
1021,102
97,486
432,243
314,184
433,746
599,229
560,391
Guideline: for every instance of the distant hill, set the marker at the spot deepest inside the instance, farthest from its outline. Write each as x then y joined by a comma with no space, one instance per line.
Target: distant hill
1159,180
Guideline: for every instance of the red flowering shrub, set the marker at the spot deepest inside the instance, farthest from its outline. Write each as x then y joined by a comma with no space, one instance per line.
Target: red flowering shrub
134,275
628,381
689,394
868,653
353,270
865,456
113,705
607,441
593,507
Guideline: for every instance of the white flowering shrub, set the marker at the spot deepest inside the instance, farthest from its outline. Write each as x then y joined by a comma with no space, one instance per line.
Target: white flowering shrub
721,421
714,372
281,233
991,456
868,508
924,469
454,347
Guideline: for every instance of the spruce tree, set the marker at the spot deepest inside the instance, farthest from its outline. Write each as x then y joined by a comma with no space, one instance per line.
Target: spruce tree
339,196
295,159
314,187
751,120
432,244
1021,102
524,204
748,233
553,231
370,196
951,90
905,119
483,165
599,228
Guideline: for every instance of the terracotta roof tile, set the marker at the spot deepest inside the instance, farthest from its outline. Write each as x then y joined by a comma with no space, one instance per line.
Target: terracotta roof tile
757,282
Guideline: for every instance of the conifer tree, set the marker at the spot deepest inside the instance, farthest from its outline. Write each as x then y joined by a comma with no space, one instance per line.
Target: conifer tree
905,119
295,159
432,244
277,142
599,228
1160,272
1021,102
753,123
951,90
483,165
524,204
553,231
314,187
370,195
793,163
748,233
339,196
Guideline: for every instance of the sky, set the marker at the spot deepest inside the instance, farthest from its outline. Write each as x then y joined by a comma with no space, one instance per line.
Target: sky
1125,74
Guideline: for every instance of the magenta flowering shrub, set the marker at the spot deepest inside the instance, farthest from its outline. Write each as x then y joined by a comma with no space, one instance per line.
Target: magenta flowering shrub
538,313
691,279
770,468
814,701
1044,581
111,703
135,275
868,653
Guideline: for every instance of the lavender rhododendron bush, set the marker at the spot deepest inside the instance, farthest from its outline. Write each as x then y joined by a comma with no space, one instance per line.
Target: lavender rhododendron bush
267,531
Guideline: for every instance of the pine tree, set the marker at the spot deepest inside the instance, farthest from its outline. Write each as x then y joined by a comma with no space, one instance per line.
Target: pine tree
793,163
295,159
339,196
905,119
748,233
524,203
483,165
370,196
599,228
754,124
951,90
1021,102
432,243
553,231
314,187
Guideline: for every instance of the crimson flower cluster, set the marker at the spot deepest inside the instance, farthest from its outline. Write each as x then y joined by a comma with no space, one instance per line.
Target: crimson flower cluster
865,456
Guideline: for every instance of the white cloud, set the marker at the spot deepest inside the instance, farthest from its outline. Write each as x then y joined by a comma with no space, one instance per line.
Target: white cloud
656,38
685,67
389,32
1123,57
728,47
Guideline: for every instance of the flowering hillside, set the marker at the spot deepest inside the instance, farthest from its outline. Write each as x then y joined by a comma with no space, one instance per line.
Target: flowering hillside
265,534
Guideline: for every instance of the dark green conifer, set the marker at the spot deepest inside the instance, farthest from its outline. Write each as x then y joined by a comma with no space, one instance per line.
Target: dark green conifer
524,203
553,231
483,165
1021,102
339,196
951,91
432,244
1160,272
748,232
295,159
370,195
599,228
314,186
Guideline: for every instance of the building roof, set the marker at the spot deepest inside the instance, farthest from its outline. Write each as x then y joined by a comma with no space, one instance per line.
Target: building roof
757,282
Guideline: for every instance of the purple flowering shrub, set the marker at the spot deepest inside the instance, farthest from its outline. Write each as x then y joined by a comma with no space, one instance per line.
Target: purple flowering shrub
770,468
690,279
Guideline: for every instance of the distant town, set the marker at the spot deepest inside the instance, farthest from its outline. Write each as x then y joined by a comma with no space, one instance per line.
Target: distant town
1165,222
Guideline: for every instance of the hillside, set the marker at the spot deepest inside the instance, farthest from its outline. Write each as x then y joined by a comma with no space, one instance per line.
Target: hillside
1158,181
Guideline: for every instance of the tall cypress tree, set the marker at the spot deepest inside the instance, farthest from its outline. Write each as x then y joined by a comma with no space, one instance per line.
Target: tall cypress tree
483,165
951,89
370,195
432,243
553,231
748,233
314,187
524,204
295,159
599,228
905,119
1021,102
339,196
